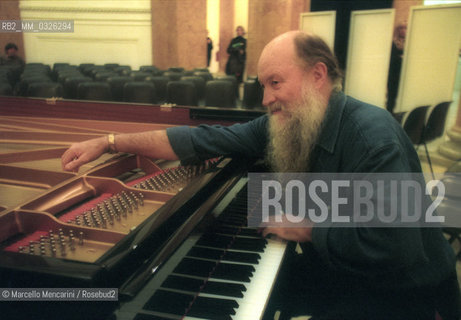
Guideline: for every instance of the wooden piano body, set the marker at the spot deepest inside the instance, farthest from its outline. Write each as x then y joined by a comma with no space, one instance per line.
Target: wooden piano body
112,223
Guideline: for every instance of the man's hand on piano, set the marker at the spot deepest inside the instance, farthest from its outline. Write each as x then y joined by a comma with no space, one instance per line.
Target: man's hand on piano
83,152
285,229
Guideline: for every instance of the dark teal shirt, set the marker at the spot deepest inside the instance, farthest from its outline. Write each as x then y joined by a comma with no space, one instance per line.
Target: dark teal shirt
355,137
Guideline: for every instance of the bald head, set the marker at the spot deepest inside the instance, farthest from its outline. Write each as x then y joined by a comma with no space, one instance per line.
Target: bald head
304,50
281,47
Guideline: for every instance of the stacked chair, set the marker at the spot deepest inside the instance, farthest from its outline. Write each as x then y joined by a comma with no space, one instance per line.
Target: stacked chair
424,124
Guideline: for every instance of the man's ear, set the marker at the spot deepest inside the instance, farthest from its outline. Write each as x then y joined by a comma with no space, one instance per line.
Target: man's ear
320,74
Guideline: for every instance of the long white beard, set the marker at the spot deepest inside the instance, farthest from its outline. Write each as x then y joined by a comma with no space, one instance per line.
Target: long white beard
291,142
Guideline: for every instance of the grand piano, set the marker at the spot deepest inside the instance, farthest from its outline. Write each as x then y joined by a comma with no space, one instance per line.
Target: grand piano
171,238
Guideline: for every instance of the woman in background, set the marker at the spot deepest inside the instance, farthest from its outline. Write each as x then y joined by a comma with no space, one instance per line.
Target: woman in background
237,55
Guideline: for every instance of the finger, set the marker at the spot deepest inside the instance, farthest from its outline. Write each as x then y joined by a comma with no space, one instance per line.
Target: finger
267,231
67,157
73,165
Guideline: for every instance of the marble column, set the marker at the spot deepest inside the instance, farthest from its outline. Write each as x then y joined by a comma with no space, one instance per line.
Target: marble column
268,19
226,31
402,9
179,33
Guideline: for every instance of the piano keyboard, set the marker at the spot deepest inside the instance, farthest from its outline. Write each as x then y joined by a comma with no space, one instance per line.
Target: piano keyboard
225,272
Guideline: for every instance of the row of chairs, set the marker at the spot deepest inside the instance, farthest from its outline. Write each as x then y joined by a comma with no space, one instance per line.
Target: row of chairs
424,124
112,82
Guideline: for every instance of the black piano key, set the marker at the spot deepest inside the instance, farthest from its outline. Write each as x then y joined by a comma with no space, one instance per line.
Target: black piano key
169,302
206,253
143,316
226,271
235,272
214,240
193,267
212,287
238,243
245,257
217,254
233,230
249,244
185,304
183,283
225,289
212,308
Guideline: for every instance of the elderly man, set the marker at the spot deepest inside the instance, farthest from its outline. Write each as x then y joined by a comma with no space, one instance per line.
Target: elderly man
342,273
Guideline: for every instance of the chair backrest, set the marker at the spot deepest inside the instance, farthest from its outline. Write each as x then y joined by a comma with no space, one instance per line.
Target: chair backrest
94,91
173,75
160,83
71,84
104,75
83,66
139,91
63,75
117,83
413,123
139,75
176,69
220,93
123,70
45,90
199,83
435,125
5,89
252,94
111,66
201,69
182,93
22,86
207,76
232,79
151,69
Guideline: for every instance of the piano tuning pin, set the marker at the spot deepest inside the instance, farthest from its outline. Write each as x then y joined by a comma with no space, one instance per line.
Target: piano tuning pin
72,244
31,247
21,249
80,239
141,199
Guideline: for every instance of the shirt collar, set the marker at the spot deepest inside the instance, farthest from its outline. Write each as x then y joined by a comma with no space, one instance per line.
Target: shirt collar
331,125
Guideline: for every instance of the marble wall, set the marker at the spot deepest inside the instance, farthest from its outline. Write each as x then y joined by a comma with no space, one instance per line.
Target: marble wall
266,20
179,33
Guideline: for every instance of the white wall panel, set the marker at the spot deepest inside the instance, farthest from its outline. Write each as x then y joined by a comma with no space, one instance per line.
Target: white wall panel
430,56
321,23
370,40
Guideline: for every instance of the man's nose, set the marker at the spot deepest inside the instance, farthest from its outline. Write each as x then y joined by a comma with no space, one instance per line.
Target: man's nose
268,98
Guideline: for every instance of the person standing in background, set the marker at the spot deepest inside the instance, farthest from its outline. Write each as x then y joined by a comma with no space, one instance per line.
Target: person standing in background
398,43
11,56
209,43
237,55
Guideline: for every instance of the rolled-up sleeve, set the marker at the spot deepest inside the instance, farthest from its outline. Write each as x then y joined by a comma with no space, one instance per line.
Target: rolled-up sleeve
192,144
